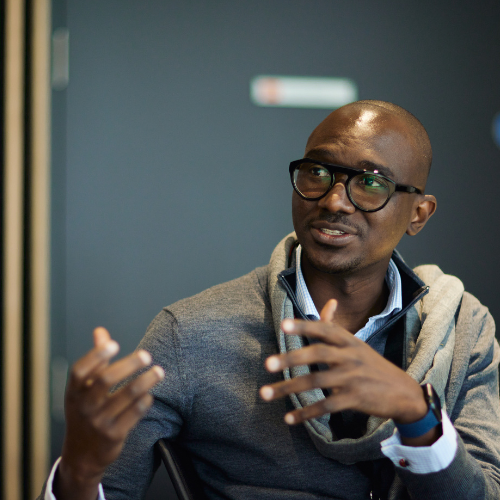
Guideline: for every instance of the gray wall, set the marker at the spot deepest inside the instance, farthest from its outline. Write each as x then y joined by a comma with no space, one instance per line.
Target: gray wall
168,180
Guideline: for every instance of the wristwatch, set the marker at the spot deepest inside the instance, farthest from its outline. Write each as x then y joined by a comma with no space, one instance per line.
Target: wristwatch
431,420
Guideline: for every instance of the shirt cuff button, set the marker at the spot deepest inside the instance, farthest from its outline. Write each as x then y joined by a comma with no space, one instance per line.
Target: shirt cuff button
403,463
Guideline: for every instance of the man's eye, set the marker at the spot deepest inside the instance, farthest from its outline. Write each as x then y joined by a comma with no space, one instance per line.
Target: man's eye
318,172
371,181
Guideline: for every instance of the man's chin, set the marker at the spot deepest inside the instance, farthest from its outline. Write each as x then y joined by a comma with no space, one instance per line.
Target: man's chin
339,267
339,270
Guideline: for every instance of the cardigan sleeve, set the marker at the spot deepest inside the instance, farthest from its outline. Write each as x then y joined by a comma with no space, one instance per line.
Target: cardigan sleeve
475,470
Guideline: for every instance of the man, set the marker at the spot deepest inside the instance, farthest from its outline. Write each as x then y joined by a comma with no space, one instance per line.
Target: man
350,403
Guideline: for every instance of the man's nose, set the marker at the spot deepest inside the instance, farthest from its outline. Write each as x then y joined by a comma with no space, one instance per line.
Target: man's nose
337,200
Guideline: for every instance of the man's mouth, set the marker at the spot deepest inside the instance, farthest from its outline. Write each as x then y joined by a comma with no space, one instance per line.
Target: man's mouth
332,232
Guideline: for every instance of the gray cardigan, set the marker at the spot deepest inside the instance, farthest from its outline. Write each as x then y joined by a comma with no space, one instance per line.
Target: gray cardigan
213,346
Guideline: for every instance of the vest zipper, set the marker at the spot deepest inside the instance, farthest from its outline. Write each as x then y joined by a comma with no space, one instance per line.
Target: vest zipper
420,293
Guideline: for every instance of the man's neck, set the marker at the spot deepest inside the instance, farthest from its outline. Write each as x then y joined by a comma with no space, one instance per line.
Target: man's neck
359,295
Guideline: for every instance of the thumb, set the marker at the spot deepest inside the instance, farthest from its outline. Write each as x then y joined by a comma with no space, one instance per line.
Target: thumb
328,312
101,336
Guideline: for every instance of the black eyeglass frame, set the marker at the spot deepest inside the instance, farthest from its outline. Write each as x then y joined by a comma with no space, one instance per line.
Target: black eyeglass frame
351,173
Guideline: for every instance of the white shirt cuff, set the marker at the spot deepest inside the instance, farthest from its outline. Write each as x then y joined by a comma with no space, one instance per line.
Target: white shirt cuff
48,490
423,459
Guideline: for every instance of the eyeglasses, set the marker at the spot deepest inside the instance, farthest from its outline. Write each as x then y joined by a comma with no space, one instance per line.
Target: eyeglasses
369,191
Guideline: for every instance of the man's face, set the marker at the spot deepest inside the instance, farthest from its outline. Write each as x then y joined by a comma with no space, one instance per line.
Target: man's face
336,237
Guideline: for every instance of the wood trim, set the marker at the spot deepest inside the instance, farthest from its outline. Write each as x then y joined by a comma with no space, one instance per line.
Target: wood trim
13,249
40,245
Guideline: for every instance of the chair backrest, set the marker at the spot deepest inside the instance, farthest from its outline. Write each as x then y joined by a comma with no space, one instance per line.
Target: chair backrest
182,473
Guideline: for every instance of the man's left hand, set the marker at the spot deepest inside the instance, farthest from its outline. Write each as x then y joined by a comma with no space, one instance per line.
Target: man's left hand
358,377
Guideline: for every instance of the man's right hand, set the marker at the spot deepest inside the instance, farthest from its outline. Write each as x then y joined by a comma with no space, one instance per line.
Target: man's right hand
98,421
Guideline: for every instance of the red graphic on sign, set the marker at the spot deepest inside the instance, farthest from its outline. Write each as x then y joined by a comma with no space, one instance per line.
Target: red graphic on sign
269,91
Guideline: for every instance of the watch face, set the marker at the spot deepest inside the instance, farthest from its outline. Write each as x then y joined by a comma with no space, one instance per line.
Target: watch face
433,401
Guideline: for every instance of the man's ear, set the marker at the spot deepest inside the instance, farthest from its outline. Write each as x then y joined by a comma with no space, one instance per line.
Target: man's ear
422,212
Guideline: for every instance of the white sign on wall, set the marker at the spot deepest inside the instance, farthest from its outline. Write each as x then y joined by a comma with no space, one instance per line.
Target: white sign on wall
302,92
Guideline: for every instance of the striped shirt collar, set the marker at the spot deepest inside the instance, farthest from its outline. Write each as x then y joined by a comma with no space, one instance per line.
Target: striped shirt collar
394,303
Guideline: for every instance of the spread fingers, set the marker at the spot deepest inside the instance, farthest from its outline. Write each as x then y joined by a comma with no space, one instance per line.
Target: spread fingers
327,332
316,353
315,380
132,395
93,362
331,404
121,369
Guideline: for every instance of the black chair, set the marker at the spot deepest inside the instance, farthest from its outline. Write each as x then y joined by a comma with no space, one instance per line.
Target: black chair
182,473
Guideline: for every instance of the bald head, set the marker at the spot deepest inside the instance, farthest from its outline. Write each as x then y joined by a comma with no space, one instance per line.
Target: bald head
384,115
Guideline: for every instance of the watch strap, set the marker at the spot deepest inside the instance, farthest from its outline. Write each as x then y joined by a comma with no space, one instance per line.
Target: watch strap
420,427
431,420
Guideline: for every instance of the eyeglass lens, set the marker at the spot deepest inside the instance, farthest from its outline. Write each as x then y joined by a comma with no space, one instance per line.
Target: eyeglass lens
368,191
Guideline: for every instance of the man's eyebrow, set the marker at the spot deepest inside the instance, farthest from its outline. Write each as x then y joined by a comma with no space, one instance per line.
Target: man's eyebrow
320,152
